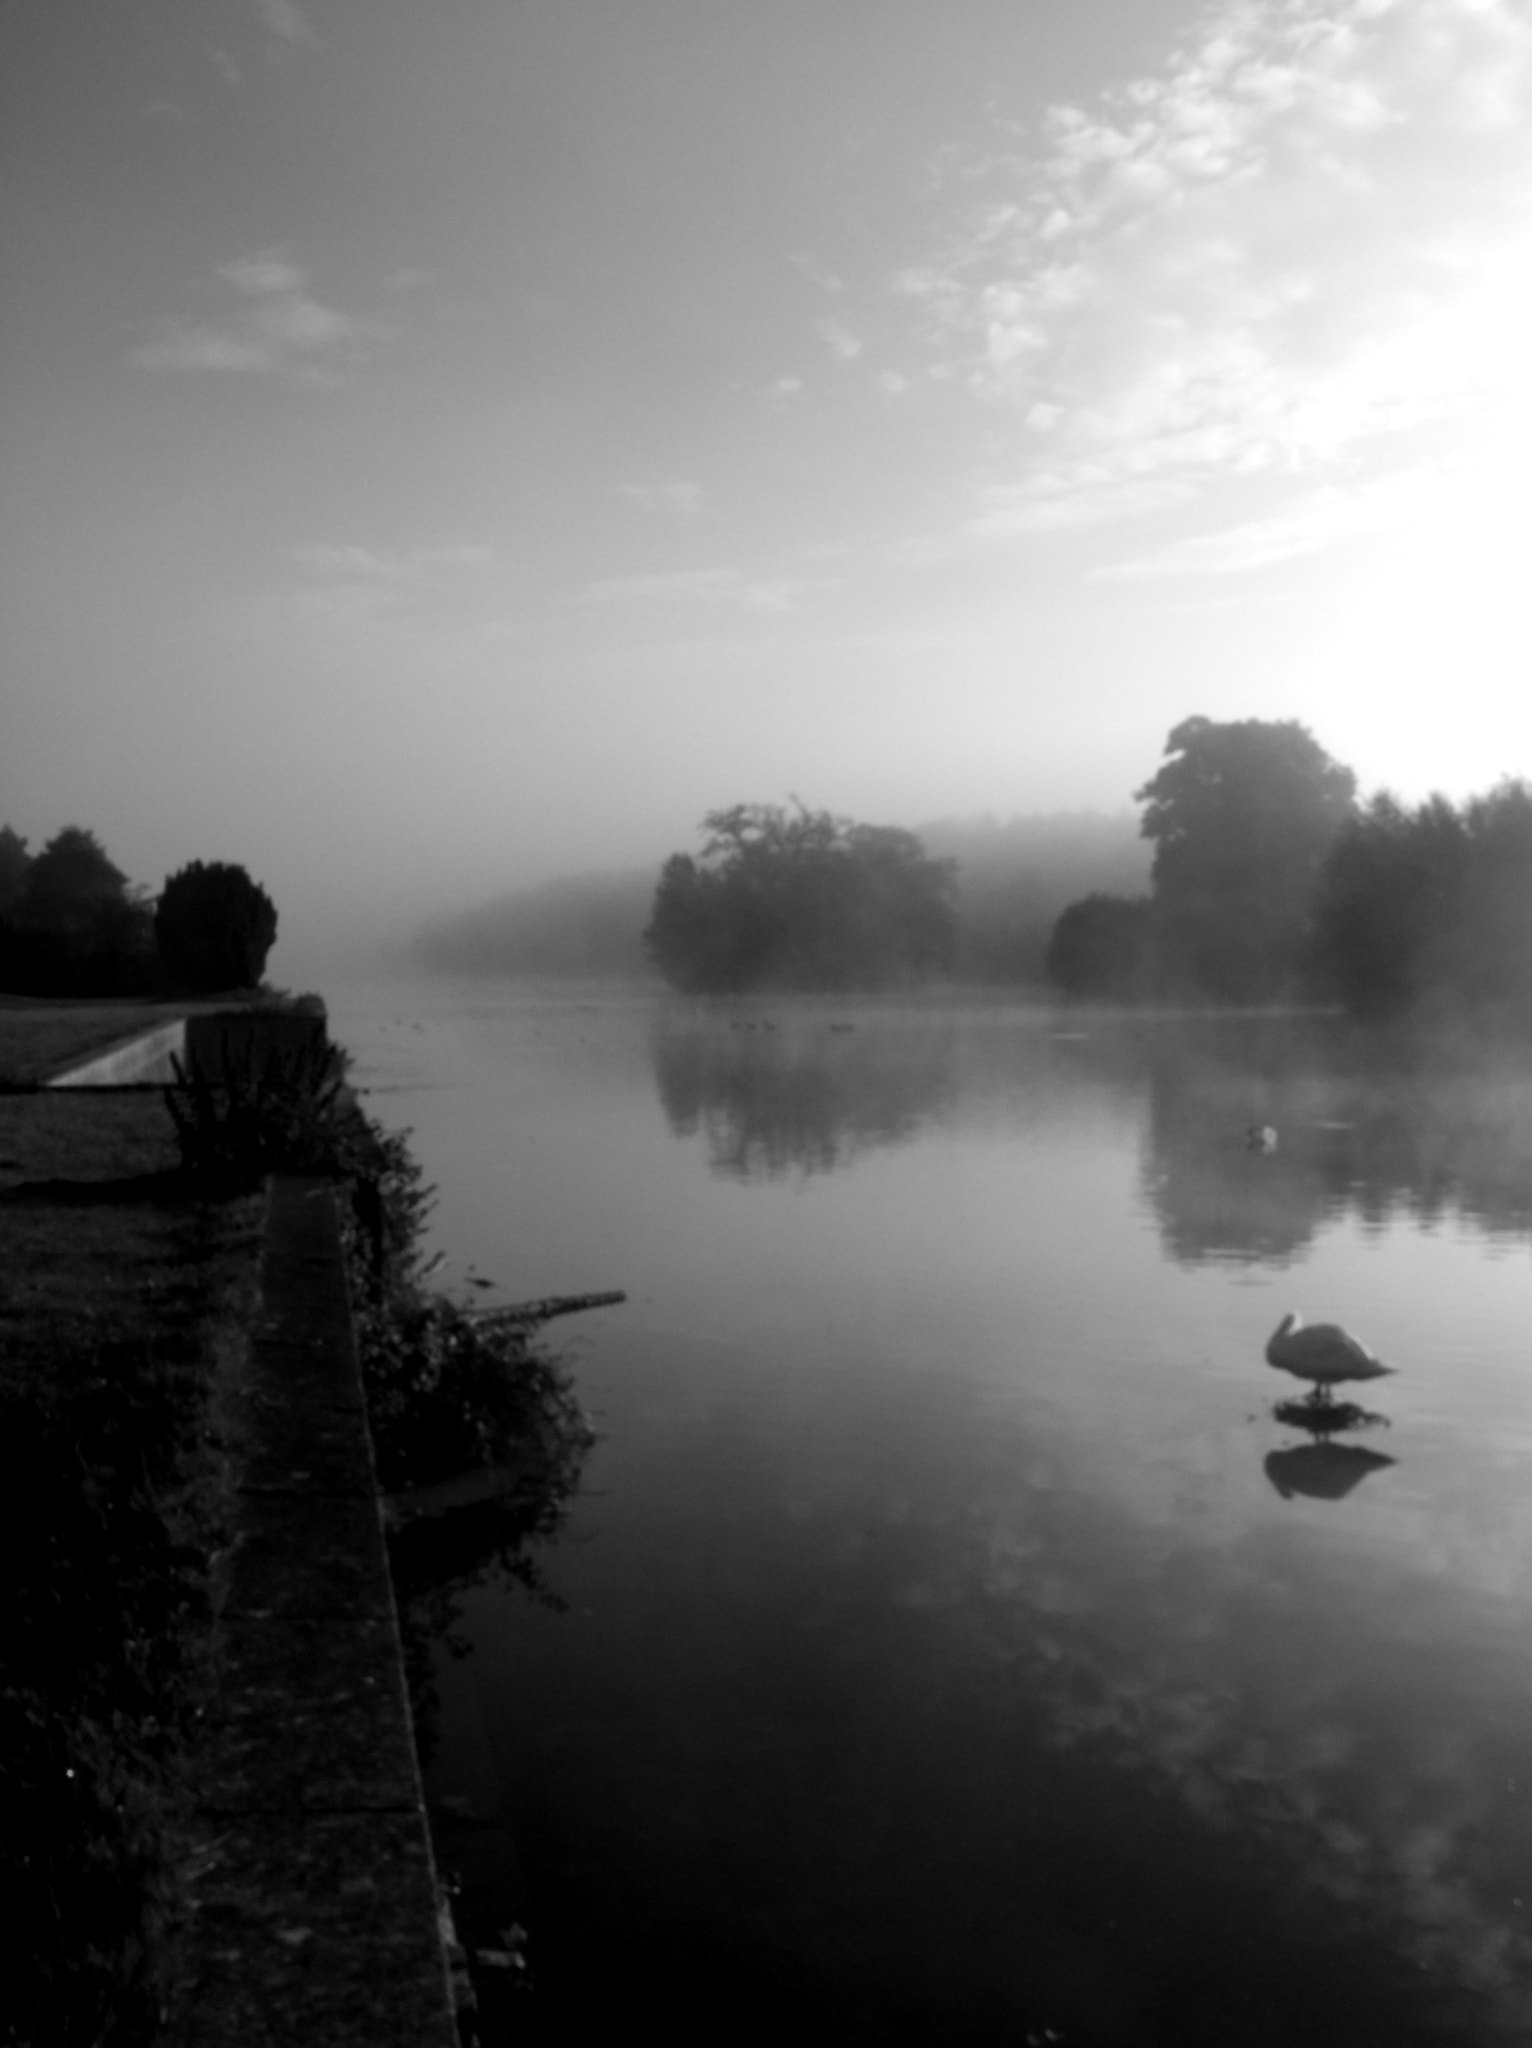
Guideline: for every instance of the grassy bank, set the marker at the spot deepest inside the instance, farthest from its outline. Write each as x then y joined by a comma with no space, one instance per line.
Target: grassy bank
39,1035
119,1289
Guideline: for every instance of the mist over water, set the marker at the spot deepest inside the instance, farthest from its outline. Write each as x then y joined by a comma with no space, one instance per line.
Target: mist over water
967,1632
967,1637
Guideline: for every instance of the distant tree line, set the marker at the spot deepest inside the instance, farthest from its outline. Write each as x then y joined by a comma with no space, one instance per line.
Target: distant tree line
72,925
588,926
800,899
1269,882
1429,903
1012,878
1253,875
1015,875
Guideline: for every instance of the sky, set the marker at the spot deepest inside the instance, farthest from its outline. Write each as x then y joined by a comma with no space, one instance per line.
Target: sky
444,447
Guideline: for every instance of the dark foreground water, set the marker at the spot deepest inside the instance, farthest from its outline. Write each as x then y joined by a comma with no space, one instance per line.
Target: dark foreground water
957,1647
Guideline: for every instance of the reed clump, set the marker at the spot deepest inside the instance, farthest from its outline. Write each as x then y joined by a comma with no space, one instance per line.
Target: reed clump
450,1385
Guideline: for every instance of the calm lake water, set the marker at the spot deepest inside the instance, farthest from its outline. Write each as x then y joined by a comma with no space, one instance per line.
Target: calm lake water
957,1647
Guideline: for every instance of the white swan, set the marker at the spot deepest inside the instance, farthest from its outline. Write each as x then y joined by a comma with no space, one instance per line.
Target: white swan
1321,1352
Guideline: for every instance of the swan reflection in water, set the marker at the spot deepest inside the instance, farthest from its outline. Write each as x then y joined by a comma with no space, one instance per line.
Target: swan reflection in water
1323,1470
1327,1355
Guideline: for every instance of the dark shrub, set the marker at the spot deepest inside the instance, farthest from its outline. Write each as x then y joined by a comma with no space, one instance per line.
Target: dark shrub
214,927
1101,947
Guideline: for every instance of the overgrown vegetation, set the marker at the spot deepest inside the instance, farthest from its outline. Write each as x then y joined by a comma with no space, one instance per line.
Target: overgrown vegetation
261,1113
449,1385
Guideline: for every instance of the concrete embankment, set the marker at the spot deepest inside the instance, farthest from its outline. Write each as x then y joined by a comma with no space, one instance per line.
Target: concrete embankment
314,1901
141,1060
212,1042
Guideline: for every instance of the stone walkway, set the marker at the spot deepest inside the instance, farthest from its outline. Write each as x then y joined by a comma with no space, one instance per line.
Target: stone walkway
314,1898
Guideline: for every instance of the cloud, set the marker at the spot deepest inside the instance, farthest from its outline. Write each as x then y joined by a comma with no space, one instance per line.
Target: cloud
284,21
402,566
277,328
1299,252
816,273
717,586
344,584
839,339
675,496
264,276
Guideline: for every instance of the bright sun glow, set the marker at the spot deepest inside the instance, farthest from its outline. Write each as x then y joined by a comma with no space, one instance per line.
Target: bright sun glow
1437,629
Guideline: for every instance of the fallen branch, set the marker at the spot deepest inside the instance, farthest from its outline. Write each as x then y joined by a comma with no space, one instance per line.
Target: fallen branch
550,1306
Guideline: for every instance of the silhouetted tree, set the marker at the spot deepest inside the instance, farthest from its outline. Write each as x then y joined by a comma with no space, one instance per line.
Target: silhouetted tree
1430,901
1387,903
214,927
1101,947
14,863
70,881
1492,956
1242,816
800,899
74,927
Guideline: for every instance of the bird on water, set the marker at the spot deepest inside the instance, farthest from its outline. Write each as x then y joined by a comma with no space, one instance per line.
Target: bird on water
1323,1353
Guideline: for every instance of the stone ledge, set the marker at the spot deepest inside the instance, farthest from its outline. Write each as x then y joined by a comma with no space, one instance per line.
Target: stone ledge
314,1931
314,1906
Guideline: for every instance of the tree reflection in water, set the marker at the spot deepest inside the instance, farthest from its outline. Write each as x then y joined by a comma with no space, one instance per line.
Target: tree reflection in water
1367,1126
801,1092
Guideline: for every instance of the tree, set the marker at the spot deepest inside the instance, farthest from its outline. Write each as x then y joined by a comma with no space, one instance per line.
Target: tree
1434,901
1387,905
1242,816
70,883
1491,953
800,899
14,863
1101,947
74,927
214,927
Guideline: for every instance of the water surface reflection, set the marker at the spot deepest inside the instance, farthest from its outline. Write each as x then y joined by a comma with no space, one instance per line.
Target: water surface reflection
957,1640
804,1093
1377,1129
